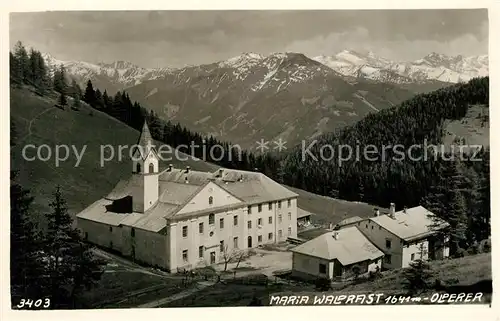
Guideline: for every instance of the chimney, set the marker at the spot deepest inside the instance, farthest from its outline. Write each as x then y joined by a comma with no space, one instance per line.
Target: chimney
404,209
186,180
170,166
376,212
336,235
240,179
392,210
187,169
220,172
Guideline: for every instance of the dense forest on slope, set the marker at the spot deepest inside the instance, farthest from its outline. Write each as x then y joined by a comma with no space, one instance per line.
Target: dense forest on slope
440,181
456,190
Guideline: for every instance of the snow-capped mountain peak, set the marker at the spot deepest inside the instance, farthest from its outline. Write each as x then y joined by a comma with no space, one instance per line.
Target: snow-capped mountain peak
120,64
434,66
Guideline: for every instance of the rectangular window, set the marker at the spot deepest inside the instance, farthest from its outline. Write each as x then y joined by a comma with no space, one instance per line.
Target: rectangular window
279,204
184,231
221,223
387,259
270,236
259,208
200,228
388,244
270,206
280,218
413,256
221,246
259,221
235,220
289,231
185,255
280,233
259,238
270,220
211,219
249,210
200,252
289,203
235,242
289,216
322,268
249,224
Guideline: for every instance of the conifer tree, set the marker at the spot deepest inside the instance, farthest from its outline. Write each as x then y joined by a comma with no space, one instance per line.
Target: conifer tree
76,101
62,99
99,103
26,265
418,277
72,264
22,59
13,68
60,84
447,201
89,96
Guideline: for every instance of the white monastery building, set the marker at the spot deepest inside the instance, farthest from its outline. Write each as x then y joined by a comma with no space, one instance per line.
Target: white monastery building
183,219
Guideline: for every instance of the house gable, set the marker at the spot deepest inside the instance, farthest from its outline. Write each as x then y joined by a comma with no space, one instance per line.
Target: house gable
210,196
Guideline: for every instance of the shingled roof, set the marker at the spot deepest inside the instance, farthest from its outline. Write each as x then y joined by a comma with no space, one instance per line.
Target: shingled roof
176,188
145,142
350,247
416,222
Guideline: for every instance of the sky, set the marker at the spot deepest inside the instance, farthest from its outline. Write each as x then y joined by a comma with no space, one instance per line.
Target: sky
178,38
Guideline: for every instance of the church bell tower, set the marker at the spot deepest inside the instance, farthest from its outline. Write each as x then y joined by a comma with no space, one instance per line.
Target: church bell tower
145,168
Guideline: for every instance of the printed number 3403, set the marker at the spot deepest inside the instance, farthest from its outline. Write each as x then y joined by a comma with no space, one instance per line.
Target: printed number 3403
28,303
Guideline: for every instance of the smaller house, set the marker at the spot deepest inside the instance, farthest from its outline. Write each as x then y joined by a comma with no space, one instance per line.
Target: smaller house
402,235
350,221
336,255
303,217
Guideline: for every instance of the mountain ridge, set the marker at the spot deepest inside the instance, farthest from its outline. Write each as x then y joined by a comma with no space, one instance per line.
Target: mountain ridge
348,63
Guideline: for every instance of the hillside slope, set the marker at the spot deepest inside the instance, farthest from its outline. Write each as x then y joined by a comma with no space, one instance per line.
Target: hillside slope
37,121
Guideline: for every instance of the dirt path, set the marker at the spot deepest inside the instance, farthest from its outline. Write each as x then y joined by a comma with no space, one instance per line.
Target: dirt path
31,123
200,286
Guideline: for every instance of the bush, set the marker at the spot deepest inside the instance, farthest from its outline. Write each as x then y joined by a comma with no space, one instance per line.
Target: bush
486,247
323,284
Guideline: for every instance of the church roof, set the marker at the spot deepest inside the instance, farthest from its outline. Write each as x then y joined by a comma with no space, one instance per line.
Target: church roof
177,187
145,142
145,135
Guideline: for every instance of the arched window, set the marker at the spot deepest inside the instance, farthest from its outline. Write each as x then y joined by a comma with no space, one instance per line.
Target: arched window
210,200
138,168
151,168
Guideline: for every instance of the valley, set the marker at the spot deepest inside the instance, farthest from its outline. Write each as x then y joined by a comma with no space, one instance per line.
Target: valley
286,96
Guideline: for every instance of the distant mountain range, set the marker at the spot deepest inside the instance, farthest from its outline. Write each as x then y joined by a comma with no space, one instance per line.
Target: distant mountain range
282,95
432,67
349,63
